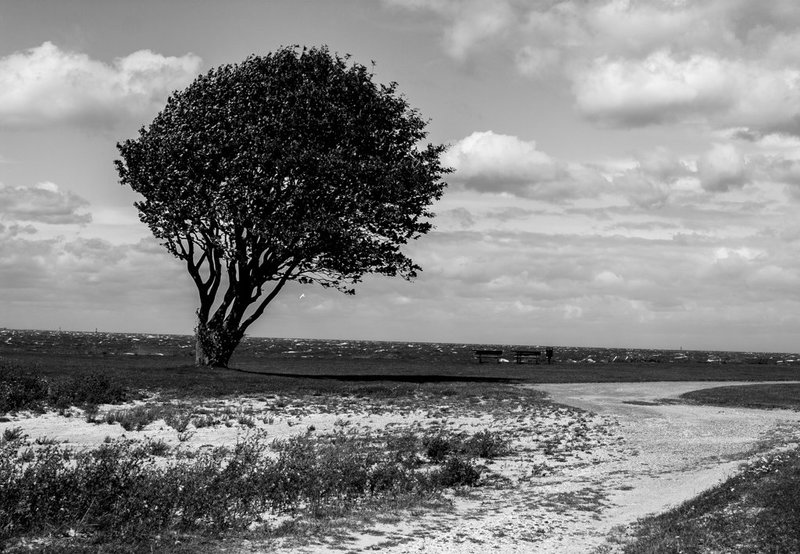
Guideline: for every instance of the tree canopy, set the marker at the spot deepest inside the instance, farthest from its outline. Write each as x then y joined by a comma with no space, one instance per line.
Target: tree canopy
291,166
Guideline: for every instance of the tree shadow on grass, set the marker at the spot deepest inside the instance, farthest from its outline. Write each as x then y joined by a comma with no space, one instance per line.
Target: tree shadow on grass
386,377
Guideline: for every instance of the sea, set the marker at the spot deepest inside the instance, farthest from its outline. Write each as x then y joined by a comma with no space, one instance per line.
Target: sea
100,343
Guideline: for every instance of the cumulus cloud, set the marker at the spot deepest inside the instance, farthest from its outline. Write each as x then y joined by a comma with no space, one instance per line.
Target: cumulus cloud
492,162
42,203
723,168
46,85
665,88
657,89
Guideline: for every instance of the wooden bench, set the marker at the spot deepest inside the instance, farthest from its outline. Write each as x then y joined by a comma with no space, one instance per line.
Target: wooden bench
522,355
481,354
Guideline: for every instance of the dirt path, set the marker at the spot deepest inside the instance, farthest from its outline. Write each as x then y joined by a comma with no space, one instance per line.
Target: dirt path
661,455
677,450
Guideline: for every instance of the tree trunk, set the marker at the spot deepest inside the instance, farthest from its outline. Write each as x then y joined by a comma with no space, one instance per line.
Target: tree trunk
215,343
200,358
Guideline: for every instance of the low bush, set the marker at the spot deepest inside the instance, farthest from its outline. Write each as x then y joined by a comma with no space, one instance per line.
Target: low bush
487,445
120,494
483,444
438,446
133,419
457,471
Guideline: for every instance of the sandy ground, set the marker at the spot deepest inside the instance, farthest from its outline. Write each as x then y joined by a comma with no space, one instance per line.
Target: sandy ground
574,482
660,455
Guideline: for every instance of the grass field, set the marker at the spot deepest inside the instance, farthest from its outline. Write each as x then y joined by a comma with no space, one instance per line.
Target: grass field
414,469
784,395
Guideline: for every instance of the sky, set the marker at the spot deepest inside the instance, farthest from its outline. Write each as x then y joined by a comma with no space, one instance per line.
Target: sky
626,173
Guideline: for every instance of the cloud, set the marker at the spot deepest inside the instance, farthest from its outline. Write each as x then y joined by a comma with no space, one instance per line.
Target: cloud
469,22
665,88
491,162
658,89
720,63
46,85
85,283
723,168
42,203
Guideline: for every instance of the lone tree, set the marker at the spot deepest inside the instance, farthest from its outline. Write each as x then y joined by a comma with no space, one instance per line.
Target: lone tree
291,166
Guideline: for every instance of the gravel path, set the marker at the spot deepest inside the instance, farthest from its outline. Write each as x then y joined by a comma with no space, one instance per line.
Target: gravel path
656,455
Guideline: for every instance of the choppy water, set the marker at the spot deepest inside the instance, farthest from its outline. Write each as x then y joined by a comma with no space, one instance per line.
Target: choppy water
142,344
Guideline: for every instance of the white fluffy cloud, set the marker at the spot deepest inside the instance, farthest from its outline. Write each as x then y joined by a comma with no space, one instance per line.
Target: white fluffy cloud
42,203
723,168
493,162
490,162
665,88
46,85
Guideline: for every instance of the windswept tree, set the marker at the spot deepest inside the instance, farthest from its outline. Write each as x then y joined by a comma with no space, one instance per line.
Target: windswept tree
294,166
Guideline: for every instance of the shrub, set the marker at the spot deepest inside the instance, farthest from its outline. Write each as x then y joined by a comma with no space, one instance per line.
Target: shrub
19,390
487,445
178,418
133,419
12,434
118,494
456,471
437,447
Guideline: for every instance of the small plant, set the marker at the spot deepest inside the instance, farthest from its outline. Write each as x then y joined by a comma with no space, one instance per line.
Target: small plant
157,448
184,436
12,434
204,420
178,419
133,419
27,455
247,421
457,471
90,412
437,447
487,445
45,441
